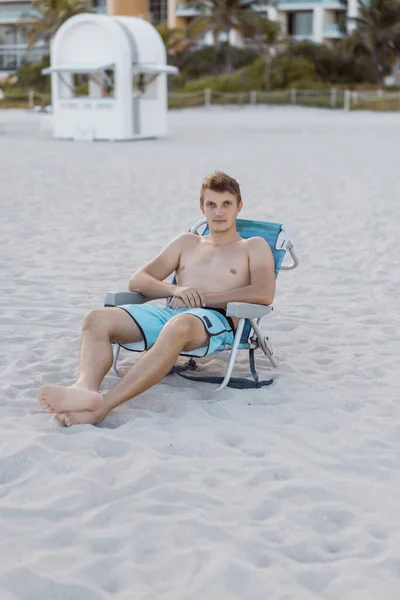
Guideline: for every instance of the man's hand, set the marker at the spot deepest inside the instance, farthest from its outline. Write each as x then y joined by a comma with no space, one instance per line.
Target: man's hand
176,303
187,297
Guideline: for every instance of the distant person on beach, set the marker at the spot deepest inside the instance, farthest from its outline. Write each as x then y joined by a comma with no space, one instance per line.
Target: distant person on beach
211,271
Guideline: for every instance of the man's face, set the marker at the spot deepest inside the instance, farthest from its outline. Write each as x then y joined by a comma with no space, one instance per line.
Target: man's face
220,209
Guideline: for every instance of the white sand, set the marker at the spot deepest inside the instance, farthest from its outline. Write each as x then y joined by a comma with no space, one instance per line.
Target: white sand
287,493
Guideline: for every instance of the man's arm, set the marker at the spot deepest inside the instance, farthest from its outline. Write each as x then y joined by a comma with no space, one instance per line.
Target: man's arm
149,279
262,279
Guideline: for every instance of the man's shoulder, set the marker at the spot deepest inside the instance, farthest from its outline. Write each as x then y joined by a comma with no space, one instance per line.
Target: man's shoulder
258,243
187,239
259,249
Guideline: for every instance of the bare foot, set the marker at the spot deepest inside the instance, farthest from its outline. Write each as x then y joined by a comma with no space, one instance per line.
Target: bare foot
57,399
82,417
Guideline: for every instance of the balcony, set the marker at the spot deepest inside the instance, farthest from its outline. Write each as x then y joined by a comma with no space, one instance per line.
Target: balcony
302,37
293,4
192,10
11,17
13,56
261,7
332,30
187,10
23,11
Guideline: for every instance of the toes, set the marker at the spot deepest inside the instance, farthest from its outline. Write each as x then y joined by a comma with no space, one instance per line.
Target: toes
85,417
82,417
43,396
48,408
60,418
67,419
44,390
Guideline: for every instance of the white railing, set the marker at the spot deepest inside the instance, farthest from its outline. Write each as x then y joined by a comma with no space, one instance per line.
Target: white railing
373,100
326,98
29,99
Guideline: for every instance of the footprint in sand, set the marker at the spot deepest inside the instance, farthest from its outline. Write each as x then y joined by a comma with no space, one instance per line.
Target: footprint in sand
315,581
231,440
330,520
109,448
27,585
15,466
264,511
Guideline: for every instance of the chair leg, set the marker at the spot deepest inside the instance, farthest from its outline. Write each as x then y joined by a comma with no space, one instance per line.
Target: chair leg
264,342
116,349
232,358
253,366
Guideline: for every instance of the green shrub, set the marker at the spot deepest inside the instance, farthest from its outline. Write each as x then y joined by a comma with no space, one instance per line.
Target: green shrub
295,71
308,84
30,75
335,64
220,83
82,89
14,103
286,73
210,60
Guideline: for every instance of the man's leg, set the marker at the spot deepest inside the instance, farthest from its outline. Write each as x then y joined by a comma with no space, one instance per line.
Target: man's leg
183,332
101,326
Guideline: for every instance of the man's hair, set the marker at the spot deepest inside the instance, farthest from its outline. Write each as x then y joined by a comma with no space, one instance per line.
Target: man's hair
220,182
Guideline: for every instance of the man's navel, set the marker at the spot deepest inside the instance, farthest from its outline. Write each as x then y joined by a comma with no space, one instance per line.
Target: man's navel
233,271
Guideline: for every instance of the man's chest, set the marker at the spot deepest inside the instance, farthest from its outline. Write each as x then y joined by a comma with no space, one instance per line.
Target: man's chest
227,266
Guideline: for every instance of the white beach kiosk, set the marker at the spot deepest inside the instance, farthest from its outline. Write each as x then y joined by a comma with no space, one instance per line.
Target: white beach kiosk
125,61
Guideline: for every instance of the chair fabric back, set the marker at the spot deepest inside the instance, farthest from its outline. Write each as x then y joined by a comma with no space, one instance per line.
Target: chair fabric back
248,228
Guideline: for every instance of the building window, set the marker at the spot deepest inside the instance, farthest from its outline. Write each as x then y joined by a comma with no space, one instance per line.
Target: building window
158,11
14,11
300,23
8,34
99,6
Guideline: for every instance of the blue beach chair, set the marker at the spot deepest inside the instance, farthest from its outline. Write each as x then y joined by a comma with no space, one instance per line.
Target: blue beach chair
248,335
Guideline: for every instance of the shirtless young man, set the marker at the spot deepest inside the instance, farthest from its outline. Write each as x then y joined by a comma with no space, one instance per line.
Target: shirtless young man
211,271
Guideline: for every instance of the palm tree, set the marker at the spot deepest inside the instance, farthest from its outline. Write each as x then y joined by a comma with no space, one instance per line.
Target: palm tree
53,13
221,16
377,34
267,37
173,37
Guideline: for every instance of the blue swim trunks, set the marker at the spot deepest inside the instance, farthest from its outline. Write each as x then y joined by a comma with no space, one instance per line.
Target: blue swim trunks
151,319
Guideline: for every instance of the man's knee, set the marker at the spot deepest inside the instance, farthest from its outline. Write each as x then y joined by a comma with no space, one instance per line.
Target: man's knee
95,319
179,329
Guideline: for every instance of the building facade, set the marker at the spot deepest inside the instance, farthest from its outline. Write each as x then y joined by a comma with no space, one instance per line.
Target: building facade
15,18
316,20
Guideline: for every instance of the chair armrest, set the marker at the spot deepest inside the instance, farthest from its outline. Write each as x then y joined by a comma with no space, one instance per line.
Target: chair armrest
118,298
245,310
